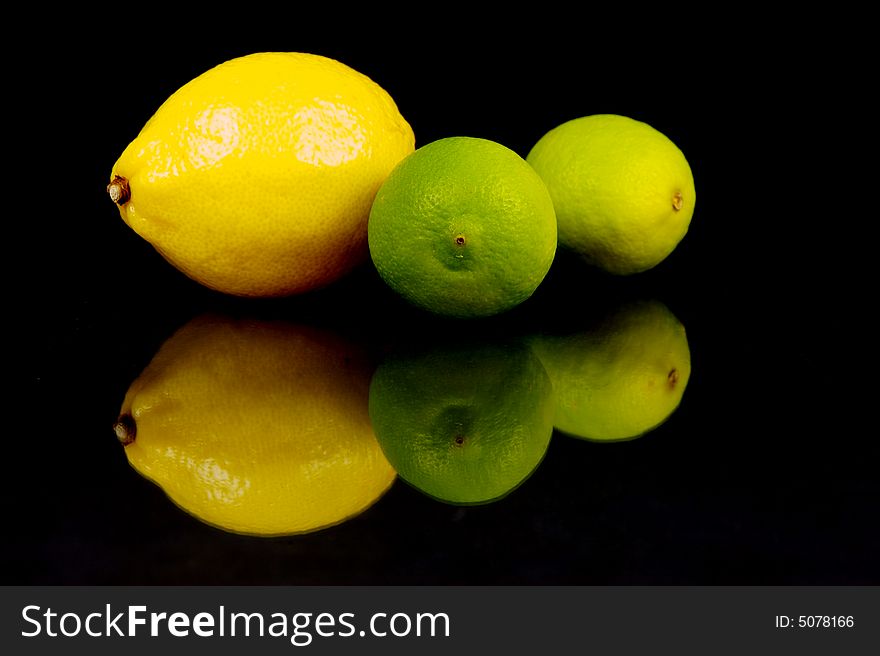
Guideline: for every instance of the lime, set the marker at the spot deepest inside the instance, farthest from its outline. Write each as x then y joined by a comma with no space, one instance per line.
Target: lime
623,192
463,227
620,378
463,424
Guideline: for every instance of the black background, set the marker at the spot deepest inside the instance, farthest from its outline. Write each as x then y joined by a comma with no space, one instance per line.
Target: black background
763,475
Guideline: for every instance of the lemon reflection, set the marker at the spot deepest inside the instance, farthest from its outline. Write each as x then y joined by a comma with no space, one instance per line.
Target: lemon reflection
621,377
257,427
464,424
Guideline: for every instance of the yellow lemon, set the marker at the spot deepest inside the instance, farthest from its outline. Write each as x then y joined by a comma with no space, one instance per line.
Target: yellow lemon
623,192
256,178
257,427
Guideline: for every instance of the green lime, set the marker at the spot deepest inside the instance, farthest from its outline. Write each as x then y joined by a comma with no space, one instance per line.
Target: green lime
463,227
621,378
464,424
623,192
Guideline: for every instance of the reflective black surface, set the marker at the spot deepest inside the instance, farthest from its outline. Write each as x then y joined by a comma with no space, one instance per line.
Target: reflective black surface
764,474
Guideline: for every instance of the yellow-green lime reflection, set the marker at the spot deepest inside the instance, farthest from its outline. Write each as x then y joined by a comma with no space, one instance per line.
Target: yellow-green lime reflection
257,427
621,378
467,424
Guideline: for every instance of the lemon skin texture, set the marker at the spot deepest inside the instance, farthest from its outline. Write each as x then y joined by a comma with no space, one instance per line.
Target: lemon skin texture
463,424
256,178
260,428
623,192
622,377
464,228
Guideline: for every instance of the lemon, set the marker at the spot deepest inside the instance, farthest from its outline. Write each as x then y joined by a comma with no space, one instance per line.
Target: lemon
256,177
463,227
622,377
256,427
623,192
465,424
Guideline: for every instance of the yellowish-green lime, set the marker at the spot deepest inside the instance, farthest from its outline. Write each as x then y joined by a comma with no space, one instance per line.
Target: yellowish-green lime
463,227
623,192
620,378
257,427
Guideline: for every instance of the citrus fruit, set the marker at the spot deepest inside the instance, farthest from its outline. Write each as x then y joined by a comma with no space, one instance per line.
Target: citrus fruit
256,177
256,427
620,378
463,227
623,192
464,424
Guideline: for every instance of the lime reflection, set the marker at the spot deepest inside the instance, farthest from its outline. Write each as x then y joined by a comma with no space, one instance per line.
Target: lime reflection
276,428
620,377
464,424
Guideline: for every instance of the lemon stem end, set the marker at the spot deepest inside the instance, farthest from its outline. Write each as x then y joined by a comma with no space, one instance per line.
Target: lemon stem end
125,429
119,190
